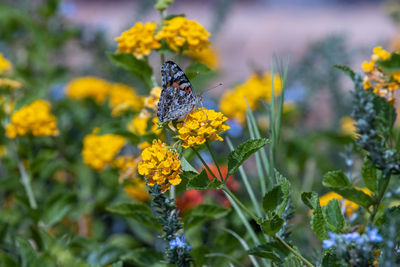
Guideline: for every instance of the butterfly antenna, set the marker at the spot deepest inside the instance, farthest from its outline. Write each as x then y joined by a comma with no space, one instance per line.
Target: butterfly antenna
211,88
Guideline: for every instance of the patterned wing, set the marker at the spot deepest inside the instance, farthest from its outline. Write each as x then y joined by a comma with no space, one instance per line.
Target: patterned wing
177,96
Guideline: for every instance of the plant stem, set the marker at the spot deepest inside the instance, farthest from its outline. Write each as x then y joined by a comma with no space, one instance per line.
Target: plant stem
215,162
27,185
297,254
204,163
229,192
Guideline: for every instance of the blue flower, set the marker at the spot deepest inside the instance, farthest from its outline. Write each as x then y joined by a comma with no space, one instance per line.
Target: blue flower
179,242
327,244
352,237
373,235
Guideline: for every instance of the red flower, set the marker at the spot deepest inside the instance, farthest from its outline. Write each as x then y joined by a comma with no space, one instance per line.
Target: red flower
189,200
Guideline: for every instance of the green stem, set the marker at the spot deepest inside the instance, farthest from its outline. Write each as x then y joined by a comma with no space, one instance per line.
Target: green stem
297,254
204,163
27,185
229,192
215,162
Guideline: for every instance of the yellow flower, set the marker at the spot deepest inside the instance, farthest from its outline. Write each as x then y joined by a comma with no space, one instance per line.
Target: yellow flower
137,191
139,125
138,40
182,34
202,125
100,150
347,126
127,166
124,98
368,66
4,64
208,56
9,84
34,119
160,166
257,87
349,206
152,100
380,54
88,87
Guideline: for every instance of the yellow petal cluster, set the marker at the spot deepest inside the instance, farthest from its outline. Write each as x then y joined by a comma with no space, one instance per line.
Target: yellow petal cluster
202,125
9,84
208,56
127,166
182,34
347,126
138,40
151,101
160,166
381,83
88,87
257,87
35,119
100,150
124,98
137,190
140,125
4,64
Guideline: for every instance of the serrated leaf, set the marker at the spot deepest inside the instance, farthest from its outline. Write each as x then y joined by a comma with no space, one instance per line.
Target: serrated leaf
339,183
139,212
385,114
310,199
197,181
197,69
272,250
139,68
286,188
346,70
272,199
334,217
243,152
368,173
318,222
272,225
390,65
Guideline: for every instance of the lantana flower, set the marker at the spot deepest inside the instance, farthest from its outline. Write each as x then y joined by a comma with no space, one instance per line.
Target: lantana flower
88,87
160,166
127,166
137,190
4,64
202,125
100,150
257,87
122,98
182,34
35,119
138,40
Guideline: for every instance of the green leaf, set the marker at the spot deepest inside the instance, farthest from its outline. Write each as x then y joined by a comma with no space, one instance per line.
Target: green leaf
163,4
57,207
368,173
272,225
118,264
243,152
136,211
334,217
272,199
390,65
139,68
318,222
197,69
26,251
286,188
346,70
197,181
7,260
202,213
144,257
339,183
330,259
272,250
310,199
385,115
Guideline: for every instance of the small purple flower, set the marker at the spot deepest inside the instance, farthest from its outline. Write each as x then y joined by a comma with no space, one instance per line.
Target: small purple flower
179,242
327,244
373,235
352,237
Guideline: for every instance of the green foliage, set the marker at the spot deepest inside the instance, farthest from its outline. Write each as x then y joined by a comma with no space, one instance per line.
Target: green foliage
272,224
243,152
203,213
369,176
197,69
346,70
390,65
271,250
318,222
334,217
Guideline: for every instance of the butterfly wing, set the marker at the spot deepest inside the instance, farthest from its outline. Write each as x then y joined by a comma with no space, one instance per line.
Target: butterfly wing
177,96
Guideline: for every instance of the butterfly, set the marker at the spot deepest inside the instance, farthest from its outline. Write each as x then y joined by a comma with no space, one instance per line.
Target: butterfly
177,97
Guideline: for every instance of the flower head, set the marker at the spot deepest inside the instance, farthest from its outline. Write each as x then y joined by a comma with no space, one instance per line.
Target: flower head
160,166
179,242
100,150
88,87
9,84
373,235
190,199
4,64
257,87
124,98
127,166
182,34
138,40
140,125
202,125
137,190
34,119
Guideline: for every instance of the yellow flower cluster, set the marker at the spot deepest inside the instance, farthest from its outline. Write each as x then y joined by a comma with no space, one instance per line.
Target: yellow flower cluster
257,87
88,87
381,83
202,125
138,40
127,166
9,84
347,126
349,206
182,34
4,64
137,190
160,166
124,98
151,101
35,119
139,125
100,150
207,55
